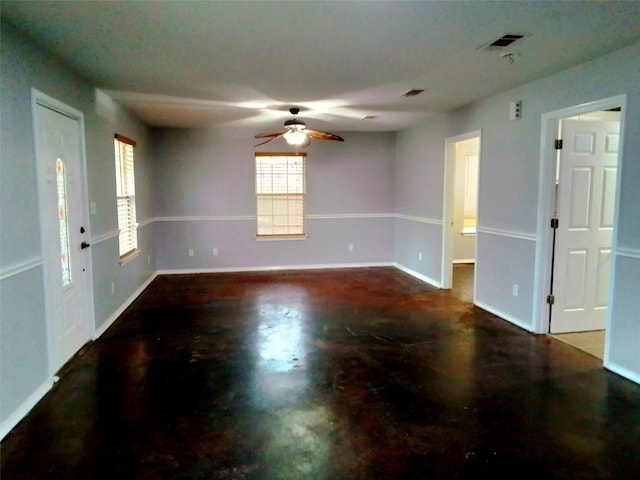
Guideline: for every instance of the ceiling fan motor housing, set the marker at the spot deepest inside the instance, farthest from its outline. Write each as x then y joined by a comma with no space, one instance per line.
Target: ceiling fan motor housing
292,122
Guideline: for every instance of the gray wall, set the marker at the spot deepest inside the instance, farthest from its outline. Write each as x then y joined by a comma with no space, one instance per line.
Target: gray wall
24,369
508,194
380,192
205,195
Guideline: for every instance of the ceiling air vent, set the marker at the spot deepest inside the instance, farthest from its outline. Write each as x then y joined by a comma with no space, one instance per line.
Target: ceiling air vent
505,41
412,93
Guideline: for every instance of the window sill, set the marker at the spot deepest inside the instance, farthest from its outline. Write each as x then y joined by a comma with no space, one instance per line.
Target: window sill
270,238
129,256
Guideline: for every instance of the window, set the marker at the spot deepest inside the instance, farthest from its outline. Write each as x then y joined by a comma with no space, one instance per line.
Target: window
63,222
280,190
126,196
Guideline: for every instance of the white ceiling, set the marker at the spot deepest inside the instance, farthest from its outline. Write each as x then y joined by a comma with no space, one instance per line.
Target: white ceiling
215,63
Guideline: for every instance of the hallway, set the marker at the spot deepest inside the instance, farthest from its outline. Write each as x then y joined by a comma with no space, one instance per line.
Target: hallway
333,374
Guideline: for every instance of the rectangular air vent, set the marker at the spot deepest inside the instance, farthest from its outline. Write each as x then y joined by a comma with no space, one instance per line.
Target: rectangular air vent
412,93
505,41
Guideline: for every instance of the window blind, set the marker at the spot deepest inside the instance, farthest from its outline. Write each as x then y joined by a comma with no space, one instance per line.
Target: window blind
126,195
280,193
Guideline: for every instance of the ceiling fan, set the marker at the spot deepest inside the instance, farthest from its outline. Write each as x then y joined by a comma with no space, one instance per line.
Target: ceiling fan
297,133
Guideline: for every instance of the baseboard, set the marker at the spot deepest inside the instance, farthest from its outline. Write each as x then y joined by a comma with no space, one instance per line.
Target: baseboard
20,412
417,275
114,316
623,372
505,316
323,266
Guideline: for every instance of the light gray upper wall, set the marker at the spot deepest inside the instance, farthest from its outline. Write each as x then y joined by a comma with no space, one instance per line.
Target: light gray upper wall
211,173
508,194
511,149
356,176
419,175
110,119
24,67
23,324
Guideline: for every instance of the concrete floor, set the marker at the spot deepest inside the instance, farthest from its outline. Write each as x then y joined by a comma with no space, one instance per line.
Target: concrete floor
342,374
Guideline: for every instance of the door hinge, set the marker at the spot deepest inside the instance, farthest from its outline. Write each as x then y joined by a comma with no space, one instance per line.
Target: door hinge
550,299
555,223
557,144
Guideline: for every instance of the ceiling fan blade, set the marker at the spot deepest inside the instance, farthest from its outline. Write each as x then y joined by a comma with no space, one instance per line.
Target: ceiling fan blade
273,137
264,135
323,135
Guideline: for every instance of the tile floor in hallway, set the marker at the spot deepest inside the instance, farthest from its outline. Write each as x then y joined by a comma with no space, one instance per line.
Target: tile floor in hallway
590,342
335,374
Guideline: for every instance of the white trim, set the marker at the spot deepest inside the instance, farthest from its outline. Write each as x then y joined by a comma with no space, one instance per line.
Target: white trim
507,233
127,303
310,216
464,260
18,268
332,266
628,252
25,407
448,182
417,275
623,372
413,218
205,218
275,238
129,257
504,316
105,236
340,216
146,222
546,176
116,232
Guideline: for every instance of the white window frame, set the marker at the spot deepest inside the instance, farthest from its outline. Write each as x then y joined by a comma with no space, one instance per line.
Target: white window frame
126,197
280,195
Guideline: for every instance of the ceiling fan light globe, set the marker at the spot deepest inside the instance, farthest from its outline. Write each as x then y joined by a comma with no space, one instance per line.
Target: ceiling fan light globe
295,137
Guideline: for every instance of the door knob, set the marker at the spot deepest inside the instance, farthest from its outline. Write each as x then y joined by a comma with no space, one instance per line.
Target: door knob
84,245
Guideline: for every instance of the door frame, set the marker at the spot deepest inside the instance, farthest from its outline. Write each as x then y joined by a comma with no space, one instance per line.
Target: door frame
446,272
39,98
546,192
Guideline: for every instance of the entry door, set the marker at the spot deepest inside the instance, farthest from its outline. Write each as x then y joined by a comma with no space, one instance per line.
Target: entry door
59,150
586,205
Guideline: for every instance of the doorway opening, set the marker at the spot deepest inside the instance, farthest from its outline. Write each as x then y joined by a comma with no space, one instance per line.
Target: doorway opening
460,216
586,170
579,178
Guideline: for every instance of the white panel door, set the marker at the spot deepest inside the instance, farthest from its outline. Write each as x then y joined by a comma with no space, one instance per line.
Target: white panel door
586,201
59,150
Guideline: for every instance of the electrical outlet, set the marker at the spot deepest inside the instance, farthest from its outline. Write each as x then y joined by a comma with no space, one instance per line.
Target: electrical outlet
113,287
148,259
420,256
514,290
351,247
515,110
215,252
191,252
92,206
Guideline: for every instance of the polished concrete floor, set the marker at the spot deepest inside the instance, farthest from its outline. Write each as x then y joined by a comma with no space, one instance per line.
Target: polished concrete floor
343,374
